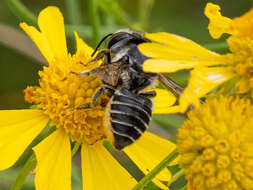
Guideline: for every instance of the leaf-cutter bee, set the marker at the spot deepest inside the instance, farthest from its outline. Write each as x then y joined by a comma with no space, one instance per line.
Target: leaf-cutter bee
129,109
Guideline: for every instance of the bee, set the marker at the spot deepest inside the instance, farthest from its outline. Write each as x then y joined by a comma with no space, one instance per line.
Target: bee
129,110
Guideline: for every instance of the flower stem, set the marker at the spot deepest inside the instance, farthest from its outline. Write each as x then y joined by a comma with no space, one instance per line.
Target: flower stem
24,173
218,47
73,11
22,12
145,180
113,8
76,147
94,18
145,7
176,176
31,161
85,31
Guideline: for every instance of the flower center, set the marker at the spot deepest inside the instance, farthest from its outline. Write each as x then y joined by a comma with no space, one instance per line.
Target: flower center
215,145
61,93
241,59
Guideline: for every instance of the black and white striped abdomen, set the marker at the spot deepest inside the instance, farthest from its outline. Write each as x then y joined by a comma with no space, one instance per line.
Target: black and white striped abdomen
130,116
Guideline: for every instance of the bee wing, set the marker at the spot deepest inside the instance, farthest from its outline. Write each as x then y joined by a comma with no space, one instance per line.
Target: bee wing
175,88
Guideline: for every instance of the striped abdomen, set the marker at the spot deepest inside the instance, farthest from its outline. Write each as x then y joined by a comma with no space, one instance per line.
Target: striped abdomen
130,116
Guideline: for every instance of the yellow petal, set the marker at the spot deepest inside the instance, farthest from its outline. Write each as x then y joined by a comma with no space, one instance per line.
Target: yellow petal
165,66
53,171
51,24
163,99
175,53
40,40
101,171
202,81
18,128
82,48
176,46
181,50
218,24
147,152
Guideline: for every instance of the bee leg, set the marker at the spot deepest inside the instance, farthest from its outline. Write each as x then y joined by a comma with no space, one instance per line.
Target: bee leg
103,90
175,88
102,54
150,94
85,106
86,72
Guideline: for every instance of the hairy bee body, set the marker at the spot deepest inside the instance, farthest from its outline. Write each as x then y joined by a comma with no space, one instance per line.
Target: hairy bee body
123,45
129,109
130,115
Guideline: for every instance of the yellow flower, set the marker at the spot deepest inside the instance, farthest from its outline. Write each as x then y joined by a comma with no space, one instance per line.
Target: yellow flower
215,145
59,94
172,53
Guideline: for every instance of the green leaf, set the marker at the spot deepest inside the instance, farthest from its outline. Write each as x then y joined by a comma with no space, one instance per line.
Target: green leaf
180,77
20,10
112,7
179,183
145,7
94,20
220,47
169,122
73,11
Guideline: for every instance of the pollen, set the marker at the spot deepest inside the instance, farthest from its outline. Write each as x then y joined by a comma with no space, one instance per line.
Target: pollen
60,95
215,144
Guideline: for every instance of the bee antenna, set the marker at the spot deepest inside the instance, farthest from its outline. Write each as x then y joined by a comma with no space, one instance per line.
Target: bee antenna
99,44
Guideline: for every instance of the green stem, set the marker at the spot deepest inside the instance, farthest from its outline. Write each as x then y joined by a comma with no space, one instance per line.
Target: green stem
30,163
94,18
73,11
184,188
112,7
176,176
145,7
218,47
31,160
145,180
22,12
76,147
85,31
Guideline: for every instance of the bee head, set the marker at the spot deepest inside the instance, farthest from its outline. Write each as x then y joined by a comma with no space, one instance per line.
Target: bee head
126,36
121,38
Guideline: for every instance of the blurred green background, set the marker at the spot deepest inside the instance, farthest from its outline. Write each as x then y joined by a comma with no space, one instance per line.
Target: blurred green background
19,57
